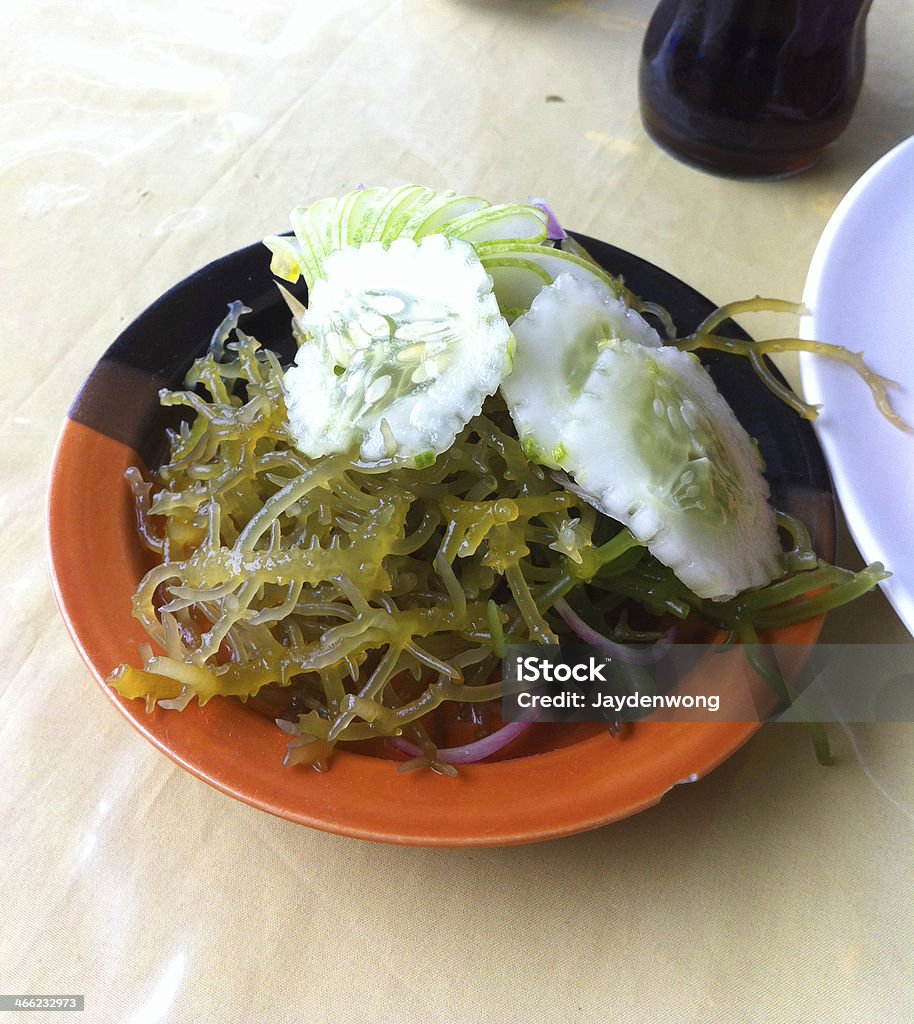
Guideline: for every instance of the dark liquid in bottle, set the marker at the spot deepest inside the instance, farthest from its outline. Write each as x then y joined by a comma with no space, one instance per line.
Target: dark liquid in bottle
751,88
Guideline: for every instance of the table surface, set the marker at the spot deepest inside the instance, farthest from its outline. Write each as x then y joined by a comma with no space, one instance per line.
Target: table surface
143,140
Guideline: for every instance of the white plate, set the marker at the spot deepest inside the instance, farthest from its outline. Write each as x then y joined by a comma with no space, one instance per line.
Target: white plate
860,293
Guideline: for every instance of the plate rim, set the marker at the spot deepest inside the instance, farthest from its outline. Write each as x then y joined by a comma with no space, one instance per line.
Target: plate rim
900,594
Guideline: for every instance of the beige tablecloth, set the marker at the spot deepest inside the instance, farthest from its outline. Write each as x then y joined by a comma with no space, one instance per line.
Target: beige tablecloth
141,140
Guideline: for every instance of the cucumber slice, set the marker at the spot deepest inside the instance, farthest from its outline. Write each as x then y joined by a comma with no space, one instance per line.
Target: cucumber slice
402,344
312,227
450,207
570,322
643,430
345,219
358,217
519,272
383,215
551,261
516,283
509,222
396,211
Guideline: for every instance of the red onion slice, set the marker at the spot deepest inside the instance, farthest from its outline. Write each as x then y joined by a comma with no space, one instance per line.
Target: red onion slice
623,652
554,231
469,752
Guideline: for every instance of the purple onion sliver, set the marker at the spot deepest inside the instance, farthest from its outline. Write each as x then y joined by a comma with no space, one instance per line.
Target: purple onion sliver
405,747
623,652
470,752
555,231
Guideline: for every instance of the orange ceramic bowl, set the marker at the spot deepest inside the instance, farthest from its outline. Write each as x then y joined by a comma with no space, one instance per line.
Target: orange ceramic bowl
554,781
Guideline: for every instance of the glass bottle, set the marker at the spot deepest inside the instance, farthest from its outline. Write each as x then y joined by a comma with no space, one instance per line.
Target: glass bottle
751,88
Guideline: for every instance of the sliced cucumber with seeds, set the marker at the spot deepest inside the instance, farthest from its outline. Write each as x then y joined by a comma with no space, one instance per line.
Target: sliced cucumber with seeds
643,430
570,322
559,342
402,344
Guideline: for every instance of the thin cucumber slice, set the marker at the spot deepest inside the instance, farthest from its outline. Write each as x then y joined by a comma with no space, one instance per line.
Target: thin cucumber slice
339,234
516,283
398,221
312,227
644,431
452,207
395,211
384,215
363,213
509,222
551,260
419,213
402,344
